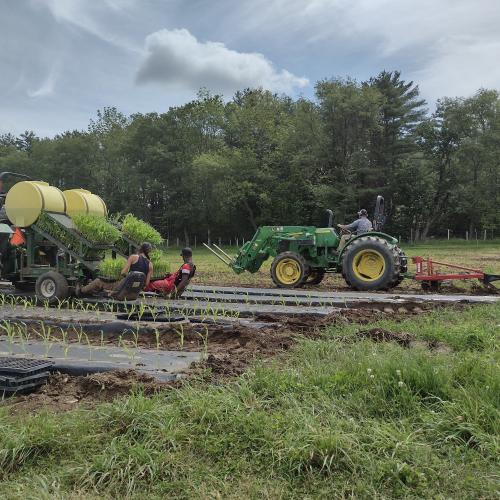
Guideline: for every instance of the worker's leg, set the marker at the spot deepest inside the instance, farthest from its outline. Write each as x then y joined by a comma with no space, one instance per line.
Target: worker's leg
116,285
162,287
97,286
343,242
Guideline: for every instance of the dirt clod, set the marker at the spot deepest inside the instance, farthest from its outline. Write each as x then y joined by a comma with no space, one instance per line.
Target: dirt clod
380,335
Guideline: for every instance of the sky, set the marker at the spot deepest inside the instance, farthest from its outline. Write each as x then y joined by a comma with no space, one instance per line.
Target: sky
62,60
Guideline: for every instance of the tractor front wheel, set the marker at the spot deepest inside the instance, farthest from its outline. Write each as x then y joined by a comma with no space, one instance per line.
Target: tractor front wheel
289,270
371,263
51,287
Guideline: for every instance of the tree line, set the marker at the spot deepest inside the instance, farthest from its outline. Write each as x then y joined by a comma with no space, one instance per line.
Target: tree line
214,168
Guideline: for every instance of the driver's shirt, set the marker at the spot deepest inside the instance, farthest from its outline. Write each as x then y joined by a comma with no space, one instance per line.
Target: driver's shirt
361,225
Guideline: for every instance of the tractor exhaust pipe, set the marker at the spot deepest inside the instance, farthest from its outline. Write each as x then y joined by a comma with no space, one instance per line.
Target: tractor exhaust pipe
330,217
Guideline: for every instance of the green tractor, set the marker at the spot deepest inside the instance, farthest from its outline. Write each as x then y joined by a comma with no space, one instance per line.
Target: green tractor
303,255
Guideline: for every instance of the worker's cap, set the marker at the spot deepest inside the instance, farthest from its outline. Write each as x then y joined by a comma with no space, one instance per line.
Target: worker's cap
186,252
362,212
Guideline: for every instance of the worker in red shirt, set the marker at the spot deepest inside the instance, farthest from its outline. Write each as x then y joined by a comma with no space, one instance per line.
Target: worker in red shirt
173,285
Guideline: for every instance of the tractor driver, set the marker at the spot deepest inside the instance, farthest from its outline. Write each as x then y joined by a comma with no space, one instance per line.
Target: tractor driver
359,226
173,285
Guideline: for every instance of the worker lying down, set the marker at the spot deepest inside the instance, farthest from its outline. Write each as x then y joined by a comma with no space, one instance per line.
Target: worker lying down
173,285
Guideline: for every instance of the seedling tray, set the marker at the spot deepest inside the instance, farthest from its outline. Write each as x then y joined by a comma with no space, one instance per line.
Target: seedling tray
23,366
22,375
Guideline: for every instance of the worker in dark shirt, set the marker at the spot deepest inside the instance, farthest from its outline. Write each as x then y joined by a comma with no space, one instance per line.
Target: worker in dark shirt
173,285
138,262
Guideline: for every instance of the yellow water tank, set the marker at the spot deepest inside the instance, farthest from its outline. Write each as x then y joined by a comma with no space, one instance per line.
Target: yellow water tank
81,201
26,200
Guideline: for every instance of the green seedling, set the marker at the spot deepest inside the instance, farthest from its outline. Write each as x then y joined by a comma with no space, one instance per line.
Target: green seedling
138,230
96,229
180,332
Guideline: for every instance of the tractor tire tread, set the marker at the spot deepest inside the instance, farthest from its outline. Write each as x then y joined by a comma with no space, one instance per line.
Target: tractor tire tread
62,287
392,253
290,255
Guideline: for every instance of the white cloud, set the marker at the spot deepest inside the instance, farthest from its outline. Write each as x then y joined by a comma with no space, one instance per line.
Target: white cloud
461,67
176,58
91,16
449,47
48,85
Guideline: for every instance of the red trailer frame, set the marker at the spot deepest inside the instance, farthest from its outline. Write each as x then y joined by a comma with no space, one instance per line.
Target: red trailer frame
426,271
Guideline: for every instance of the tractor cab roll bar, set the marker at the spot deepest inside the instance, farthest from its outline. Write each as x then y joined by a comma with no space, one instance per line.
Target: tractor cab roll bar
378,214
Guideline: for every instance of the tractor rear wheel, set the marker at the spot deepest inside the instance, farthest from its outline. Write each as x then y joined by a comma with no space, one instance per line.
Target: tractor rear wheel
289,270
403,267
315,277
52,287
371,263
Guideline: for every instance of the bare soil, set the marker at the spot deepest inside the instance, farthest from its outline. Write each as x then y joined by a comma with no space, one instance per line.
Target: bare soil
64,392
229,353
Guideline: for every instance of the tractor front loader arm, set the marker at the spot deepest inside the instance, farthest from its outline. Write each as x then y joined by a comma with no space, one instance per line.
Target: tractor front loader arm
251,255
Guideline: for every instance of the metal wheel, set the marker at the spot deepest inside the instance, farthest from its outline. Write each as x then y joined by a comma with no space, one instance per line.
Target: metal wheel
289,270
371,263
368,265
51,286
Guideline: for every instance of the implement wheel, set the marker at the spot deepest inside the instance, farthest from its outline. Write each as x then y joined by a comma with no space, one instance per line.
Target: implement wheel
289,270
51,287
372,263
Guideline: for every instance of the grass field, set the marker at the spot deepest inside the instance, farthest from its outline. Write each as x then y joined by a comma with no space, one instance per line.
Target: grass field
484,255
335,417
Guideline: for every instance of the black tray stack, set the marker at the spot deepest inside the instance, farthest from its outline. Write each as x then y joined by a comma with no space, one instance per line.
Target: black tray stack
22,375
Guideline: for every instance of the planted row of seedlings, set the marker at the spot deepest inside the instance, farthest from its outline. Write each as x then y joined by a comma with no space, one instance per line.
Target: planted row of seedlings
138,311
22,335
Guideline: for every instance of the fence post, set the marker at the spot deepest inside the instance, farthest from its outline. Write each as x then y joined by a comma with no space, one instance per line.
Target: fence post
448,235
177,241
466,235
485,235
220,244
167,243
238,242
195,241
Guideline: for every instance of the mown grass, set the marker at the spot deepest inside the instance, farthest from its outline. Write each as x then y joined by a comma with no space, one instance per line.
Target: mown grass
484,255
336,417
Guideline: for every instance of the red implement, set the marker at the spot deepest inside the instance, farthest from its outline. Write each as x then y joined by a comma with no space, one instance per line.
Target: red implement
428,274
